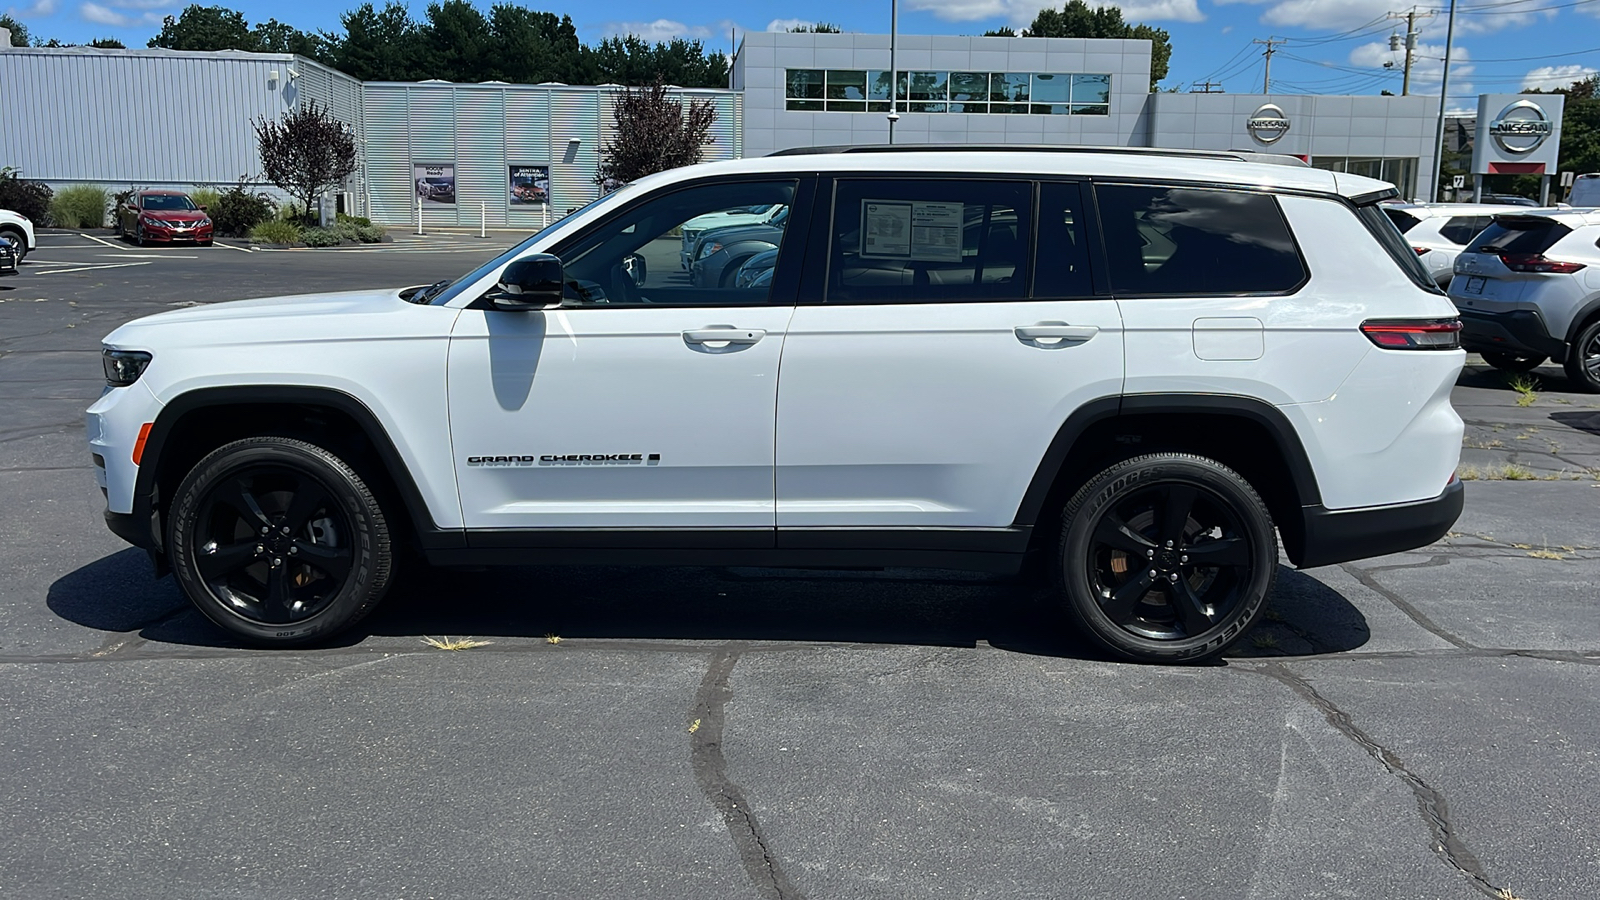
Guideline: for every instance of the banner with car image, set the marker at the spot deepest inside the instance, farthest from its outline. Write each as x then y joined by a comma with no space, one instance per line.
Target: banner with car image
530,185
435,182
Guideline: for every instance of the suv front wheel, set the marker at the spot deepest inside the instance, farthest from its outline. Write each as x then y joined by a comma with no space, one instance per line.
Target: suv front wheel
279,541
1167,557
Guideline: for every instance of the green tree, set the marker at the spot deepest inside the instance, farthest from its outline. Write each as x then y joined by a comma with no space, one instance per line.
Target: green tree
1078,19
306,152
818,28
654,133
19,31
531,46
458,42
108,44
1580,127
377,45
205,28
273,36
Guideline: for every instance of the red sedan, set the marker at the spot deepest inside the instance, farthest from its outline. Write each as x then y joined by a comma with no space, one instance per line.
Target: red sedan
163,216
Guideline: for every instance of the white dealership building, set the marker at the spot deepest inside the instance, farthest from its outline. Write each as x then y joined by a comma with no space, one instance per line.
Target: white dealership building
511,155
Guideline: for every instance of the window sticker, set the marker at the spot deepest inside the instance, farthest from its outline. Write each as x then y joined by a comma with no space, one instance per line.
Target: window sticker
918,230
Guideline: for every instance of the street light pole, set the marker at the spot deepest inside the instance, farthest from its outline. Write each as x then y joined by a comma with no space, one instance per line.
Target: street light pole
894,72
1444,99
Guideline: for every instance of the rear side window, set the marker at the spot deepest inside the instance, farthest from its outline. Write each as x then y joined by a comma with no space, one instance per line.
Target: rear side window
1517,234
929,241
1382,228
1196,241
1061,269
1462,229
1402,220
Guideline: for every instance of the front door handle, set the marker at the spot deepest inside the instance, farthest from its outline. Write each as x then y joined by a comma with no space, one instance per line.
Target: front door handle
723,335
1055,333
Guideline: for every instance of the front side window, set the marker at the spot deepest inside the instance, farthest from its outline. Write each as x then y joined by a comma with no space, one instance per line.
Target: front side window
684,248
929,241
1196,241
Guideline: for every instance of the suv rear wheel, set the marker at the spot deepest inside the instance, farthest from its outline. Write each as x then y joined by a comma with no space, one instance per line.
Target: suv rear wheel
1583,360
279,541
1167,557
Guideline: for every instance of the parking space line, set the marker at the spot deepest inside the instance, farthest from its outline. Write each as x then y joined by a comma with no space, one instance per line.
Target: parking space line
145,256
232,247
92,268
100,241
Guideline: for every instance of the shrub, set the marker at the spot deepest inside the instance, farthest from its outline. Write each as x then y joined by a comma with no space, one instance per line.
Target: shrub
322,237
238,211
290,211
28,199
275,231
206,197
370,234
363,221
79,206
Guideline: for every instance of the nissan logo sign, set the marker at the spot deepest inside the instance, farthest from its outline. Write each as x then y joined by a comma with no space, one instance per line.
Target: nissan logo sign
1521,127
1268,123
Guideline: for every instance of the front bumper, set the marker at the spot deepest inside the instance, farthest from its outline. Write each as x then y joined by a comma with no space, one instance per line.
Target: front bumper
1340,535
1520,331
158,233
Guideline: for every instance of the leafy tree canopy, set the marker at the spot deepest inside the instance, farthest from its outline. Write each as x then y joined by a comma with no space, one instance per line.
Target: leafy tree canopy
654,133
19,31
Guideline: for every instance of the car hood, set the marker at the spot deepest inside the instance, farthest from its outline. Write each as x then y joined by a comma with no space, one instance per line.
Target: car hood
268,318
731,233
174,215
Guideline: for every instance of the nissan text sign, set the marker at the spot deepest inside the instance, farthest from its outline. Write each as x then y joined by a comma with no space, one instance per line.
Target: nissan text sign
1518,134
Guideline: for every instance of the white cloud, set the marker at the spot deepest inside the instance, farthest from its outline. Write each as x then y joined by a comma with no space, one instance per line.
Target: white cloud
38,10
101,15
1427,68
1548,78
1019,13
1334,15
781,25
143,4
659,30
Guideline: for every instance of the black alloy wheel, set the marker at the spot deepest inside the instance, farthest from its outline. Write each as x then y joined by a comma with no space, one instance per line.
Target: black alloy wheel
138,235
1512,362
279,541
1167,557
17,242
1583,360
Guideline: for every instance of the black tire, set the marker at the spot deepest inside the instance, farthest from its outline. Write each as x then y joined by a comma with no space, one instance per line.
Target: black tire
1116,531
279,542
17,241
1583,359
138,235
1512,362
731,271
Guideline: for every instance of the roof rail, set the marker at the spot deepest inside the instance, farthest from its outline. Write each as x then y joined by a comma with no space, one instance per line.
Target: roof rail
1236,155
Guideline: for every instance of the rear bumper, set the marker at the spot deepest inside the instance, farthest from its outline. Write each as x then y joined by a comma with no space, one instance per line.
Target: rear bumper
1340,535
1519,331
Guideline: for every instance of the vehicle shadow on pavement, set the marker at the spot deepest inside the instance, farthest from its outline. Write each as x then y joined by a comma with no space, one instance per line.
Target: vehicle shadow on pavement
1580,420
118,593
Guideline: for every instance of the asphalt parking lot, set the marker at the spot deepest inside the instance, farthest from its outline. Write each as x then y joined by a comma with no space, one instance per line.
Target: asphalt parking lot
1420,726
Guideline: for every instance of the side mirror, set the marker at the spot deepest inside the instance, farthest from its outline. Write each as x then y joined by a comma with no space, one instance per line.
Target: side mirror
202,209
533,282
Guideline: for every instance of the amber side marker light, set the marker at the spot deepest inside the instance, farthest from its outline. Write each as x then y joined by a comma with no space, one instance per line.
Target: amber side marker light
138,445
1414,334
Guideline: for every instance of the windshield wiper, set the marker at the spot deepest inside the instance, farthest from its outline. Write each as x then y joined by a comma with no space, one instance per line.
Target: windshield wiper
424,295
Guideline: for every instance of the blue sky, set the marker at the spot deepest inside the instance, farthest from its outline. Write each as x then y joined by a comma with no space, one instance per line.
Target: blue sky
1335,46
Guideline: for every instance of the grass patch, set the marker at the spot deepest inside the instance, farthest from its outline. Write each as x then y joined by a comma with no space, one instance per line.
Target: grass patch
1507,472
1545,554
1266,640
552,639
450,643
80,206
275,231
206,197
1526,386
694,726
1514,472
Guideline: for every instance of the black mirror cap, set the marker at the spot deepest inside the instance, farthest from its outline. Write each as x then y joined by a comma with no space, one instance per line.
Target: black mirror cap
532,282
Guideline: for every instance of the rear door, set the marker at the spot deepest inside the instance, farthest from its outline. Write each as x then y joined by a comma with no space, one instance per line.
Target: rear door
923,385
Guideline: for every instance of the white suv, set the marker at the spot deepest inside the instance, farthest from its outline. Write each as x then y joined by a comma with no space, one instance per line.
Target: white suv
19,230
1529,289
1438,231
1139,369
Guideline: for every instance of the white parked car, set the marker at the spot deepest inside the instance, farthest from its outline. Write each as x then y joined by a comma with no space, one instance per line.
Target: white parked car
1101,361
1529,290
1438,231
17,227
1585,191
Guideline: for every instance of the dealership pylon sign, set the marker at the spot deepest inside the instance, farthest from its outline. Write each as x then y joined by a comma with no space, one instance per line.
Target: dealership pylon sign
1518,134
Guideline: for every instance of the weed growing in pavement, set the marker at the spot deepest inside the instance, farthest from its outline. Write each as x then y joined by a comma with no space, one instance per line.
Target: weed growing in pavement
1514,472
1507,472
450,643
552,639
1266,640
1545,554
1526,386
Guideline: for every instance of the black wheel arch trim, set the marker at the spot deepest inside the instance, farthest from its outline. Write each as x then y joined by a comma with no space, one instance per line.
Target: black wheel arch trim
1582,318
145,510
1265,414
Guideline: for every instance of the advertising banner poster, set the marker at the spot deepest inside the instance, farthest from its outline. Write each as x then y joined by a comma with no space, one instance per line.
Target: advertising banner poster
530,185
435,183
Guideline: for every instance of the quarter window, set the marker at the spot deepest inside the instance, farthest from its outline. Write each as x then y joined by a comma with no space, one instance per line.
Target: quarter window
1196,241
929,241
1462,229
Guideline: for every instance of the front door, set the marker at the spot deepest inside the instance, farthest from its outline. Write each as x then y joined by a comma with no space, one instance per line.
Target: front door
923,391
642,403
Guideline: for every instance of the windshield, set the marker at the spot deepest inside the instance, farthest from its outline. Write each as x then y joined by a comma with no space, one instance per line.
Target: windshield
168,202
448,290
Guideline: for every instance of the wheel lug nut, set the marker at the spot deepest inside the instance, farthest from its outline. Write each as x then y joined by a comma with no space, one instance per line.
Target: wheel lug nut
1150,554
293,550
265,529
276,562
283,530
1183,557
1154,573
1169,545
260,549
1173,577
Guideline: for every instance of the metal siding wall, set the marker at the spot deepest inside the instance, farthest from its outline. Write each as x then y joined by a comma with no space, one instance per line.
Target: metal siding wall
433,140
481,179
341,94
392,197
527,143
574,113
117,118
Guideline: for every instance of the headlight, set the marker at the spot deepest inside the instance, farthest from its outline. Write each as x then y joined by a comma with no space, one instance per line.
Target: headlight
709,249
203,223
123,367
150,220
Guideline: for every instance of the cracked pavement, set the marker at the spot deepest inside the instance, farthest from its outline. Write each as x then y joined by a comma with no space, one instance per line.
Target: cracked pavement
1422,725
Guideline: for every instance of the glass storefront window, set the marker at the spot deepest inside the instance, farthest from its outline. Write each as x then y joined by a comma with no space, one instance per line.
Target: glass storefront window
844,84
1002,93
1051,88
803,89
1091,89
969,87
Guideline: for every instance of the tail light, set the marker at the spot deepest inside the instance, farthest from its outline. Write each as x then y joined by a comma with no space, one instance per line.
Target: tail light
1421,251
1414,334
1535,262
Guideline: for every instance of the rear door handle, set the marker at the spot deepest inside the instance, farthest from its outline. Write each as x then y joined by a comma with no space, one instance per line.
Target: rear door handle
724,335
1056,332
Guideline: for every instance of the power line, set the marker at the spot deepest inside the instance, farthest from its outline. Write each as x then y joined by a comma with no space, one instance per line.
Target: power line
1266,77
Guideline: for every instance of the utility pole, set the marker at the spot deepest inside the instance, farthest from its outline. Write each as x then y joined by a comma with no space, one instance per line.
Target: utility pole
1205,87
1444,99
1266,77
1410,42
